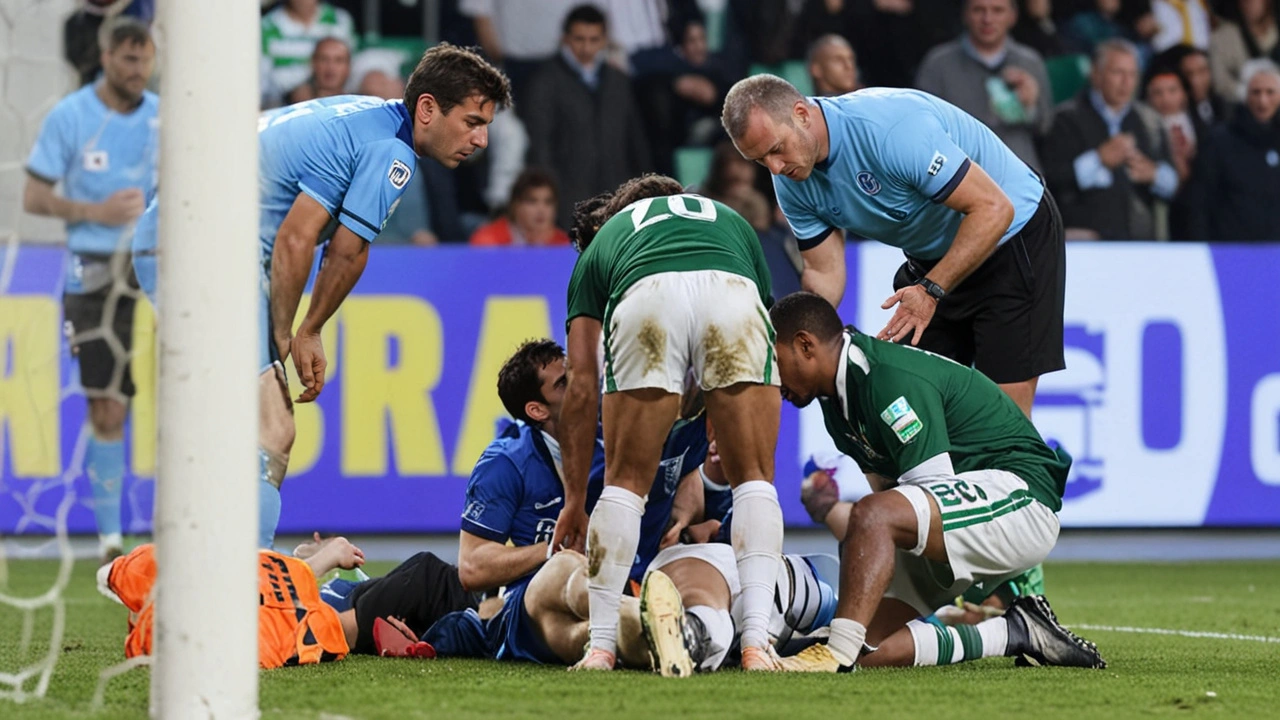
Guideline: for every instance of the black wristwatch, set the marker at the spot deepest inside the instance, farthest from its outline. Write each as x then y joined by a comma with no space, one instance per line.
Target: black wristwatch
934,289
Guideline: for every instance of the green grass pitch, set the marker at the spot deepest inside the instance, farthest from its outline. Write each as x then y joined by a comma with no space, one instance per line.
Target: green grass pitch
1150,675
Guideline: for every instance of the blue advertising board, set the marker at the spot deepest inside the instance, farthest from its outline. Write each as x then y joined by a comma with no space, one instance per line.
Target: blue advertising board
1170,403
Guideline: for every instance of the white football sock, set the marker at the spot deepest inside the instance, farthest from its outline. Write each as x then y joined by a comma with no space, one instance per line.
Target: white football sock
720,630
612,536
757,543
947,644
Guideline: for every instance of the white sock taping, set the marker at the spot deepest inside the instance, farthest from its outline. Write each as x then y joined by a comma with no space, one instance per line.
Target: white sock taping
947,644
757,544
847,639
612,535
720,628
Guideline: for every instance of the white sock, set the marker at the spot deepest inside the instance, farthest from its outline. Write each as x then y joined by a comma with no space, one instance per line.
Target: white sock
110,540
757,543
947,644
612,536
847,639
720,629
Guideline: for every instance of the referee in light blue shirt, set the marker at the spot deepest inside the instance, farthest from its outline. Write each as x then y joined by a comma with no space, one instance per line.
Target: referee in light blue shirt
985,266
98,145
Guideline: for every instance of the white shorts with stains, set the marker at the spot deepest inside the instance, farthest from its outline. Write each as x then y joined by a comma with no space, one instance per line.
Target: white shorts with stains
709,321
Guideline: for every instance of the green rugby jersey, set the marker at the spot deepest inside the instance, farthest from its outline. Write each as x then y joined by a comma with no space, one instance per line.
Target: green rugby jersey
287,44
679,233
905,406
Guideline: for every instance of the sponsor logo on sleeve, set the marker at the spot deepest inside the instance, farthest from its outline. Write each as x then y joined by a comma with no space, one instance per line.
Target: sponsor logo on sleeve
902,420
936,164
474,511
399,174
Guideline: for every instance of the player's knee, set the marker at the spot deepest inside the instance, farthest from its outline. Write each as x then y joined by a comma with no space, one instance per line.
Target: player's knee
278,436
868,516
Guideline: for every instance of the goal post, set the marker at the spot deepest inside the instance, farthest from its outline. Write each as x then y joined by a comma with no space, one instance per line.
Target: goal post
206,518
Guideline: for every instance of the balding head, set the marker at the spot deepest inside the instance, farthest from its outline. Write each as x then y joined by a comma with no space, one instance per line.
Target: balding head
770,93
832,65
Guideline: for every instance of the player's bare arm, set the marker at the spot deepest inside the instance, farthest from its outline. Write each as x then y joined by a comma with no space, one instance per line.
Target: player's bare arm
578,431
291,259
121,208
687,508
988,213
824,269
343,265
485,564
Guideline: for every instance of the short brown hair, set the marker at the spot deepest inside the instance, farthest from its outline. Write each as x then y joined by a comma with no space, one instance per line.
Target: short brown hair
123,30
770,93
590,215
531,179
451,74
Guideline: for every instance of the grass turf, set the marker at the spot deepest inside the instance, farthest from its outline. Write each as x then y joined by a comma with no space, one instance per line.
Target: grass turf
1150,675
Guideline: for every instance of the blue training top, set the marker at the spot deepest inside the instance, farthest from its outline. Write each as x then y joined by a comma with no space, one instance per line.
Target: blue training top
895,157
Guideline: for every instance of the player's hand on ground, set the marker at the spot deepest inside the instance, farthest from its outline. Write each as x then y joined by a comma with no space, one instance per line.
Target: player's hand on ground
571,530
123,207
915,310
308,359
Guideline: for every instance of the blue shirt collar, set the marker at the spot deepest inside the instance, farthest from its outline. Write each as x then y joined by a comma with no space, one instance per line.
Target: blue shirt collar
825,164
1112,118
405,129
590,74
988,63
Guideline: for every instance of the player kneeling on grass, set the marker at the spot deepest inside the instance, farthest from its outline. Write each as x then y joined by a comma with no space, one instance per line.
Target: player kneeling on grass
688,615
965,491
296,626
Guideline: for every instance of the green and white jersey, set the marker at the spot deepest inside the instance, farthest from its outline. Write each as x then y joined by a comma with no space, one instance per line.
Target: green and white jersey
899,409
679,233
287,45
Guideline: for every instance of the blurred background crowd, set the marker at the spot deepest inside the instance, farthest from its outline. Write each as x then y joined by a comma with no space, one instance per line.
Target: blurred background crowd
1149,119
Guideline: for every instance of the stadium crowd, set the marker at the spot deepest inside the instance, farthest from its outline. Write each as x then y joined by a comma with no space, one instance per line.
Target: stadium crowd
1149,119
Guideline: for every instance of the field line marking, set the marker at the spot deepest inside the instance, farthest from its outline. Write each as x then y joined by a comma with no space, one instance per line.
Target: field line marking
1180,633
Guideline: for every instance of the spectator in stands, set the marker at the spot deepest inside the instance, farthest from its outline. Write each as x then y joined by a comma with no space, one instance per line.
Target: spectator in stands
582,118
330,71
519,35
833,66
289,34
994,78
1181,22
1106,159
891,37
1240,168
1166,92
769,28
1248,32
530,218
1035,28
1103,22
1193,64
683,87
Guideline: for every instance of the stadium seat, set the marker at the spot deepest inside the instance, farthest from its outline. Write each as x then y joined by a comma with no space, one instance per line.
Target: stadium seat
793,71
692,165
1068,75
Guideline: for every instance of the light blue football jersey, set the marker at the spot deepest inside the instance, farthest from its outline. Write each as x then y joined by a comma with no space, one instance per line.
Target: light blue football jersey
94,152
352,154
895,157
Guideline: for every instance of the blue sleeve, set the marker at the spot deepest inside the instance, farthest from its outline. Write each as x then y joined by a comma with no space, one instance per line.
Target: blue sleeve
920,153
55,147
809,229
383,170
493,494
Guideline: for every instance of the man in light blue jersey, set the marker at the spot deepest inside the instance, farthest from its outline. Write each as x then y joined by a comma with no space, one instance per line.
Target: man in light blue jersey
985,272
331,171
99,144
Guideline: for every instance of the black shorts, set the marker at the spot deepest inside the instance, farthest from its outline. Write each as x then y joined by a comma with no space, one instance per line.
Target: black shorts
1006,318
420,591
103,349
